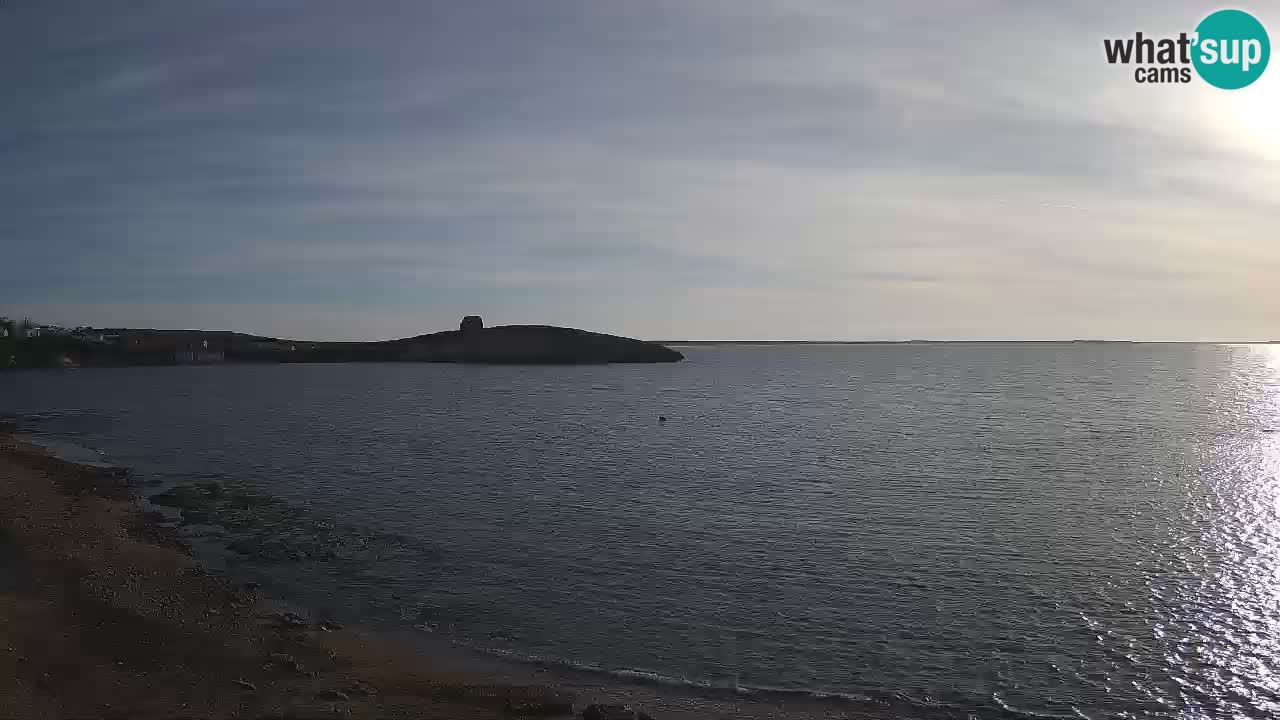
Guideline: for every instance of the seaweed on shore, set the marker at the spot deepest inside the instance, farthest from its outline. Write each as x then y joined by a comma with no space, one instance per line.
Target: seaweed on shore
267,530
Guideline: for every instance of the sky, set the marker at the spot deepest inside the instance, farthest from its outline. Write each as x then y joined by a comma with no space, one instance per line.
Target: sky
666,169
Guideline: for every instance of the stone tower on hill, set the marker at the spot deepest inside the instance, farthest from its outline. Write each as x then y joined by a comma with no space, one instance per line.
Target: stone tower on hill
470,324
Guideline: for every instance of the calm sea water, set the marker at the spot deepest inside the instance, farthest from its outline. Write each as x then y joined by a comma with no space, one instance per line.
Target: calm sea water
997,530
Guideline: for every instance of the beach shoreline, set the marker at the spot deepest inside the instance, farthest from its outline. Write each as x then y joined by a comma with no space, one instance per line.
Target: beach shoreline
240,641
104,613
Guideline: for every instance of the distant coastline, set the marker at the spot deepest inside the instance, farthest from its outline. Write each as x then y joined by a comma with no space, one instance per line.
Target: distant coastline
686,343
51,346
29,345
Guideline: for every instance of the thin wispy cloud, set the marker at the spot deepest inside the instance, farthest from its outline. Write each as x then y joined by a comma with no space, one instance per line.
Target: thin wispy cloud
670,169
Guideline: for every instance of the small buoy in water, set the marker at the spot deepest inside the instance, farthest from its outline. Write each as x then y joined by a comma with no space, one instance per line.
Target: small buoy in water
662,418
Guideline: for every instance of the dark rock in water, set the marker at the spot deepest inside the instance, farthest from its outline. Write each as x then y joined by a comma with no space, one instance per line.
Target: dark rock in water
167,499
246,546
211,490
190,497
265,549
662,418
601,711
191,516
183,497
240,499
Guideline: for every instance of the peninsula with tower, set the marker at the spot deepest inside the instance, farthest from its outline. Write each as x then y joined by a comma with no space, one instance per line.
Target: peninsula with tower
472,342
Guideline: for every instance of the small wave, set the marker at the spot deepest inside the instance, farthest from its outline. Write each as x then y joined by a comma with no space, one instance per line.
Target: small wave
1000,702
68,451
757,692
646,676
44,416
897,703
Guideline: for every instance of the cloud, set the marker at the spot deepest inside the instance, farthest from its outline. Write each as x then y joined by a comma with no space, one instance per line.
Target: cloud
672,169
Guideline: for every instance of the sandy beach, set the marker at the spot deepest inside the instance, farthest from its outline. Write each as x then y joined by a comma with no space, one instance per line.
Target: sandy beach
103,614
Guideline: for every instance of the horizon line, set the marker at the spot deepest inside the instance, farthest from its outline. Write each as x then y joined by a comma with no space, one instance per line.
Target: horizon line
925,341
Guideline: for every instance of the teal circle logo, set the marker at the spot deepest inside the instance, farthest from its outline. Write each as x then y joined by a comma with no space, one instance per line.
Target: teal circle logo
1232,49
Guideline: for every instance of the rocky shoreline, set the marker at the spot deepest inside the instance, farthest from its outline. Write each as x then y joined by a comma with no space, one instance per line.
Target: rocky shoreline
105,613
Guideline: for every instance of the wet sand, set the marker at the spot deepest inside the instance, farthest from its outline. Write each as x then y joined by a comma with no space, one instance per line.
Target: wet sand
105,615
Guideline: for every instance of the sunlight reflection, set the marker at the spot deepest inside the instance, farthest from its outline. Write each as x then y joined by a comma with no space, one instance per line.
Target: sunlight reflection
1231,620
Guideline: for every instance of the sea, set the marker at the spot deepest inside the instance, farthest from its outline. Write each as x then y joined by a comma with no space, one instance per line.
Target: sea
923,530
